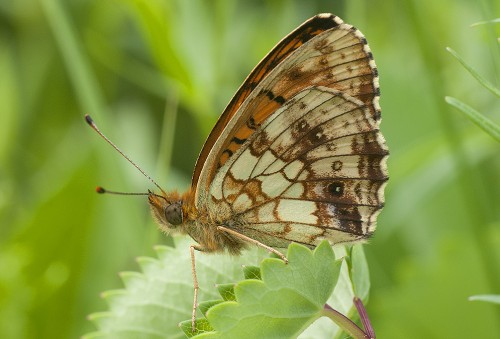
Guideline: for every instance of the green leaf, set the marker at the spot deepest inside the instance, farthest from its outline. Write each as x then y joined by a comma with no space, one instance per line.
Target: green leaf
492,298
202,326
226,291
157,303
358,272
252,272
476,117
287,299
206,305
488,85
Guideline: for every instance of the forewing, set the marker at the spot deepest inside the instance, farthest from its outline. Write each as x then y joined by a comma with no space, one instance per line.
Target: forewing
322,52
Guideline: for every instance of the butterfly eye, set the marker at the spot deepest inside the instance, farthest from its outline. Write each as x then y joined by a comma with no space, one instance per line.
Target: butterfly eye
173,213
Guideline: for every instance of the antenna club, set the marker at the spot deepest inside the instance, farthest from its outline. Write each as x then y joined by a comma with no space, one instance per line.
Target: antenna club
100,190
89,120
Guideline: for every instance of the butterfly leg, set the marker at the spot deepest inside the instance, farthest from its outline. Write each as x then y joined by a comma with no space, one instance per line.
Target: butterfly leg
253,241
195,283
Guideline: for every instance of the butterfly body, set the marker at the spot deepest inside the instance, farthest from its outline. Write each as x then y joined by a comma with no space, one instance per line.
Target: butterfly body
297,156
200,224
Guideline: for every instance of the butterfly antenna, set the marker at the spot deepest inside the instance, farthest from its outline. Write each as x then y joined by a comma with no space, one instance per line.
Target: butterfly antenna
102,190
91,123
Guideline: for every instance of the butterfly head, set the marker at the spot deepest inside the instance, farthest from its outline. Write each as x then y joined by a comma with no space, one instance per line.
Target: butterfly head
167,210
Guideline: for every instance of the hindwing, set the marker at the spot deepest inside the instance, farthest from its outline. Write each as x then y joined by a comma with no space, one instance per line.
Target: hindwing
314,170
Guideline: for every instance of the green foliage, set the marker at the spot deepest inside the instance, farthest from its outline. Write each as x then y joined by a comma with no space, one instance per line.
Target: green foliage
286,300
485,83
483,122
156,300
282,304
479,119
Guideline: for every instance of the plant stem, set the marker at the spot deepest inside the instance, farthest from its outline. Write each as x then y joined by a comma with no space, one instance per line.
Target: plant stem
344,323
367,325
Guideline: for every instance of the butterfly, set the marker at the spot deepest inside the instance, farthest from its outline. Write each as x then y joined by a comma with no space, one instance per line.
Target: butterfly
296,156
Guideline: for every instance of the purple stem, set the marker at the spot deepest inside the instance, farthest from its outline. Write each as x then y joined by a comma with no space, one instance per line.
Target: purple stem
367,325
344,323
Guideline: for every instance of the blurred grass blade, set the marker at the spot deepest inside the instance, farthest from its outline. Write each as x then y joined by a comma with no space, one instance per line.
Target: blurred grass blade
489,86
487,22
168,132
492,298
479,119
85,84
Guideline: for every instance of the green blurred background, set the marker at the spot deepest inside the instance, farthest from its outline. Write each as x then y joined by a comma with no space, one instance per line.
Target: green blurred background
155,75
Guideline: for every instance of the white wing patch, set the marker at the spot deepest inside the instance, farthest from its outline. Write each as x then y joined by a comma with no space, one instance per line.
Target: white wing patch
294,191
293,169
297,211
242,168
275,184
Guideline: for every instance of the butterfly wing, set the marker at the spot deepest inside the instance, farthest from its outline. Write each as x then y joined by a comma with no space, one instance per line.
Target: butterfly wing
299,156
281,51
314,170
308,30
